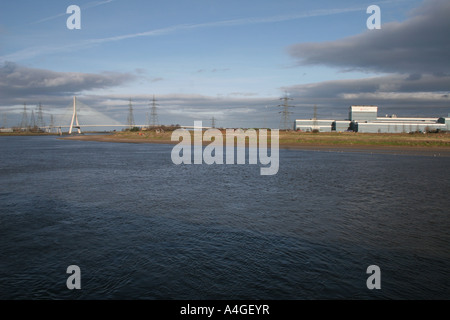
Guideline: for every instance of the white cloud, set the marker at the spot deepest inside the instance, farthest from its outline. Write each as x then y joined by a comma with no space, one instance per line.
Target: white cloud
20,82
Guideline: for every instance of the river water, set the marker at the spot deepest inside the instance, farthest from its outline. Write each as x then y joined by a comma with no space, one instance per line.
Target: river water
140,227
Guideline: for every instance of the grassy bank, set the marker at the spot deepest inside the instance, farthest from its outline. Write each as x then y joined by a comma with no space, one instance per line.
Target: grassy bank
292,138
367,139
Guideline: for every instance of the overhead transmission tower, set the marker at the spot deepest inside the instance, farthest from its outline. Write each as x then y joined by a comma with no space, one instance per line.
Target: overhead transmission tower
213,122
315,126
154,122
52,124
32,120
40,117
130,118
24,122
285,119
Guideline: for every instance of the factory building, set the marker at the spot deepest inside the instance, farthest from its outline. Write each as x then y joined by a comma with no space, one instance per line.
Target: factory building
314,124
398,127
363,113
341,125
365,119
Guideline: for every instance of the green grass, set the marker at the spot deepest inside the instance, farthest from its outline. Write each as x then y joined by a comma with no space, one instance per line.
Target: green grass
367,139
325,138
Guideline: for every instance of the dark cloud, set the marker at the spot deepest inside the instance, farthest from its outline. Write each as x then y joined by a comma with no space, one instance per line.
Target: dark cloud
414,76
380,85
22,82
416,46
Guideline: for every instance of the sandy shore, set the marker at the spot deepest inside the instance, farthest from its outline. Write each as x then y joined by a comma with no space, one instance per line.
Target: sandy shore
398,150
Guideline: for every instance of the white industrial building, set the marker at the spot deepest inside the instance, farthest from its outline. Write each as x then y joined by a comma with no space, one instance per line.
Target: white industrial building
365,119
314,124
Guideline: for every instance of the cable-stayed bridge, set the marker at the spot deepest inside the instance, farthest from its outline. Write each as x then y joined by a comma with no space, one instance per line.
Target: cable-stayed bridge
79,115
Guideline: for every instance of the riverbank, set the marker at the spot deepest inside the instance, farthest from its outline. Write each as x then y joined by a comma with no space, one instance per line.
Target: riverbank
436,144
26,133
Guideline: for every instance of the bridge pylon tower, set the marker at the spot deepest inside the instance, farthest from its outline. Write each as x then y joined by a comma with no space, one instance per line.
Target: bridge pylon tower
74,118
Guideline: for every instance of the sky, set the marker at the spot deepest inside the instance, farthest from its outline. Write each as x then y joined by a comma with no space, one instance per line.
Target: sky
231,60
